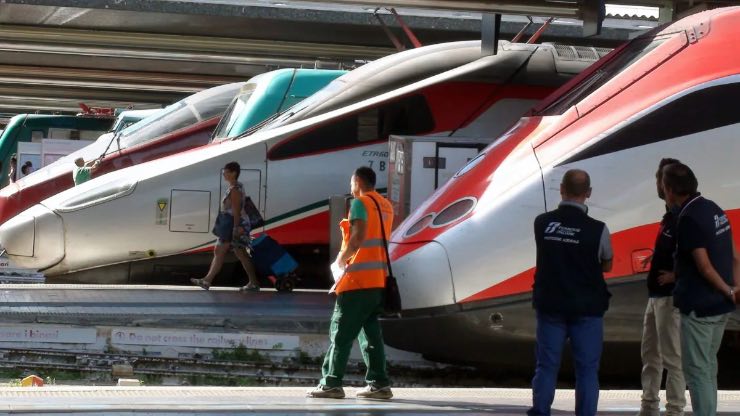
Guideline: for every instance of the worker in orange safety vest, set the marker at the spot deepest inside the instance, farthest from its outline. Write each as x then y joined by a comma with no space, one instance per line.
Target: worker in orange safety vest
360,272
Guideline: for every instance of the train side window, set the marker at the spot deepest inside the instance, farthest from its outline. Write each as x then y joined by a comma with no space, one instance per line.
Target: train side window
702,110
333,136
410,115
367,126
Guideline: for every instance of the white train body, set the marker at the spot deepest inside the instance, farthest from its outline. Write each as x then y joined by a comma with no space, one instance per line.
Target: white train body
465,260
166,208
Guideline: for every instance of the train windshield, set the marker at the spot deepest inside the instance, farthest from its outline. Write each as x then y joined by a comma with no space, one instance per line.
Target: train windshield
314,100
607,69
196,108
130,117
239,106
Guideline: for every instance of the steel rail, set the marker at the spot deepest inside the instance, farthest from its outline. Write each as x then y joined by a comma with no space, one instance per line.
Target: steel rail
190,80
101,85
220,46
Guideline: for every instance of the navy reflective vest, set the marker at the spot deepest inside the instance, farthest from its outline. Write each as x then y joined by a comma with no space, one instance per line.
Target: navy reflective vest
702,224
569,279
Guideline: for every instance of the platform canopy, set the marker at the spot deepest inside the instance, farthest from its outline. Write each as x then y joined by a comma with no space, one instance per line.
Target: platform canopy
55,53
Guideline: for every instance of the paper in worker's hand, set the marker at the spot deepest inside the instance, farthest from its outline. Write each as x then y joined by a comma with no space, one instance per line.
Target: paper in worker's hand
336,270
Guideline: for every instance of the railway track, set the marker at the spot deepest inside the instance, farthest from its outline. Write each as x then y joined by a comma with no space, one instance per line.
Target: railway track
259,371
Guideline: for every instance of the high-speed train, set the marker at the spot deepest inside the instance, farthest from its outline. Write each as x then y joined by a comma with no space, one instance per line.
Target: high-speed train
465,258
154,219
184,125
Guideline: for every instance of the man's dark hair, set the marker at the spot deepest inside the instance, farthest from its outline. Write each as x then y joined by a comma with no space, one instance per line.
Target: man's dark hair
680,179
576,182
367,175
233,167
663,163
24,169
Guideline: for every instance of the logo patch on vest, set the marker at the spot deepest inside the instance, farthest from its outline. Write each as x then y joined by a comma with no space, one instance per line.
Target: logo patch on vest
562,233
551,227
721,224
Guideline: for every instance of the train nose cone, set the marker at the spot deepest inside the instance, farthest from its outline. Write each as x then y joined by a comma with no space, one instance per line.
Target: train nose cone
424,277
425,281
34,239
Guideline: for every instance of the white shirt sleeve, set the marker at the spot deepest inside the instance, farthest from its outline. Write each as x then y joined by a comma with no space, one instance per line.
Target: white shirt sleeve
605,245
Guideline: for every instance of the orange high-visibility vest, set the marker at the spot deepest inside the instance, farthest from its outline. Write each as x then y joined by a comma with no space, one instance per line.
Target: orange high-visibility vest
367,269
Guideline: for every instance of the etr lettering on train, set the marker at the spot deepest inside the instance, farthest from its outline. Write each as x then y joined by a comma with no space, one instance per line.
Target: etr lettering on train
374,153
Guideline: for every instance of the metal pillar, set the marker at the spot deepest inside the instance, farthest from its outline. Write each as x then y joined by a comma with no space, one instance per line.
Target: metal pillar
593,13
490,32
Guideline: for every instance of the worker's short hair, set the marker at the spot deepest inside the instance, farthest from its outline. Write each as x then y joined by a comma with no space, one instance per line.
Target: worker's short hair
233,167
663,163
367,175
576,182
680,179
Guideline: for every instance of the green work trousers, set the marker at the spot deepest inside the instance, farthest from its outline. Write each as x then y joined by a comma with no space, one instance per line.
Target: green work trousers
356,316
700,340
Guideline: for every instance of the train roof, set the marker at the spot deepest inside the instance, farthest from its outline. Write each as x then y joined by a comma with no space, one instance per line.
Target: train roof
383,75
402,69
540,61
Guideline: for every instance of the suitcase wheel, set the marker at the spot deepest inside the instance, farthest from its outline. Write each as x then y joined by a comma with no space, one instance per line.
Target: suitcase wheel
284,284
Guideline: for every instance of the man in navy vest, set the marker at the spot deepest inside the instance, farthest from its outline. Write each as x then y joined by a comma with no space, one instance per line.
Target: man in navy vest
570,295
661,333
707,273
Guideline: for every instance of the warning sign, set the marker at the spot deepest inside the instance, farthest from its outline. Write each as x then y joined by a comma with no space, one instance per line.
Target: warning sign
161,214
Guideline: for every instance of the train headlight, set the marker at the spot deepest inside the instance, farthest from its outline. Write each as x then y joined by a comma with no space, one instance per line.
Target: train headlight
473,163
98,194
454,212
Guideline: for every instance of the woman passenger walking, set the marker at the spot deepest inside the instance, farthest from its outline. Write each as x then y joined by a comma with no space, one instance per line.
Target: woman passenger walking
232,231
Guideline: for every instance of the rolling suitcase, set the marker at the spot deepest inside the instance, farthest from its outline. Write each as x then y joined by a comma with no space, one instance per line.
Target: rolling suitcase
271,259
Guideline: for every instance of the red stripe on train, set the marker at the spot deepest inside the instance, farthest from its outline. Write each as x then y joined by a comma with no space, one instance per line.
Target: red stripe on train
624,243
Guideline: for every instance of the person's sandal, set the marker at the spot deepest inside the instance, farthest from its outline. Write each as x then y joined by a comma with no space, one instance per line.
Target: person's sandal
249,288
200,282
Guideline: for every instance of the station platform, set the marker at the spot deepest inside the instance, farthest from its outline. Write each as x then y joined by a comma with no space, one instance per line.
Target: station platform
301,310
292,401
168,321
173,331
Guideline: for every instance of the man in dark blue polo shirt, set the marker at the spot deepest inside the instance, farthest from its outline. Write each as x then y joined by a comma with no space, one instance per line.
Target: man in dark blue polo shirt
661,332
706,277
570,295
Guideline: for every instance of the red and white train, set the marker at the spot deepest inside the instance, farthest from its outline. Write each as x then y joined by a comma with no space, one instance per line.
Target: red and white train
465,259
153,220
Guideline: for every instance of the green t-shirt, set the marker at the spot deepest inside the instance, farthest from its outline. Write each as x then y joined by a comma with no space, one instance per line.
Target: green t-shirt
81,174
357,211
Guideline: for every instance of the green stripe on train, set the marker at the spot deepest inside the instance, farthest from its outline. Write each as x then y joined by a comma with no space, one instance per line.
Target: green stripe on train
304,209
